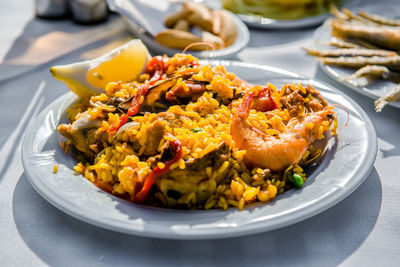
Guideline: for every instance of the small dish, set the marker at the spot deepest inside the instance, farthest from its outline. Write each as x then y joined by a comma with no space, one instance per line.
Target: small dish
146,33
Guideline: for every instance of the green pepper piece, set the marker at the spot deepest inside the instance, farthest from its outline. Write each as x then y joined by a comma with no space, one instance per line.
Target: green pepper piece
196,130
297,180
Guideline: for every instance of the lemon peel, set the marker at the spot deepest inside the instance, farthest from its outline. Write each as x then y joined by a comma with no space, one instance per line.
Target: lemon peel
124,63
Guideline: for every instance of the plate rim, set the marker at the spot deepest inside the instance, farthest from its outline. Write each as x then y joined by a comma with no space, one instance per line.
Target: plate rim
332,74
254,21
252,228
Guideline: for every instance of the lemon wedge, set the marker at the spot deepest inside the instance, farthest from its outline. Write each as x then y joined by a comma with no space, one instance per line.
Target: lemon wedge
90,77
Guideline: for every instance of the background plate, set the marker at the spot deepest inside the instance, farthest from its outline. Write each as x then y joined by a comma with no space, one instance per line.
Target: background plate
266,23
374,89
242,38
347,161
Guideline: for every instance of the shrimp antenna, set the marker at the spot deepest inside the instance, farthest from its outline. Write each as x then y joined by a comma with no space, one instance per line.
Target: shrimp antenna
348,115
207,44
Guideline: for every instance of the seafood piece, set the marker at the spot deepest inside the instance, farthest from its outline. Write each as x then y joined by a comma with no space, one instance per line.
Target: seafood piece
358,62
102,105
276,153
217,22
340,43
81,132
293,100
379,19
153,132
376,71
182,25
173,18
386,37
356,18
392,95
349,52
336,12
216,41
228,30
177,39
172,153
362,43
200,15
158,91
186,90
217,27
193,179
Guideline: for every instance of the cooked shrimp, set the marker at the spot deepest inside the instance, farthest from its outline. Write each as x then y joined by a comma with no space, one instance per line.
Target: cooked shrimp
276,153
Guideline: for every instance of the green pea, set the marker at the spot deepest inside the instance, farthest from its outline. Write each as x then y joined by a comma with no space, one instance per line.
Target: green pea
196,130
297,180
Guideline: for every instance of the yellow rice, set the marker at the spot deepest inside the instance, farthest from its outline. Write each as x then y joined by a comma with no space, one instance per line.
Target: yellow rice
227,183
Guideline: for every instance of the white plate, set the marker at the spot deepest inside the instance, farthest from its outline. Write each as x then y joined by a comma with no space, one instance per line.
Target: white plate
122,7
260,22
374,89
266,23
347,160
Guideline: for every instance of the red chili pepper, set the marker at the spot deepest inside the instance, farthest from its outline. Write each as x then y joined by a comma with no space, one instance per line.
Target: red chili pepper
264,102
157,172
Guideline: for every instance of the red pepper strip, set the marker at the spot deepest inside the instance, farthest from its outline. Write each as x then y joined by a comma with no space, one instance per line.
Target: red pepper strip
264,102
116,125
133,110
157,172
155,67
156,64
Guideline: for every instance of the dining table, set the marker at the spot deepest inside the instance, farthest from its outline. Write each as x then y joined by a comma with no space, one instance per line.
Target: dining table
361,230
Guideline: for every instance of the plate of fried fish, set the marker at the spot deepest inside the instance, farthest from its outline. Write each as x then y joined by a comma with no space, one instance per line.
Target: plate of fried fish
361,50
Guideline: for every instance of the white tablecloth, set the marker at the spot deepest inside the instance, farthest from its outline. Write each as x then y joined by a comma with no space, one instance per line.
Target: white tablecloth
362,230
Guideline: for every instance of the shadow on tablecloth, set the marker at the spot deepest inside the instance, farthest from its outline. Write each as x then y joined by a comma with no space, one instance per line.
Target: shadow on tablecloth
326,239
43,41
